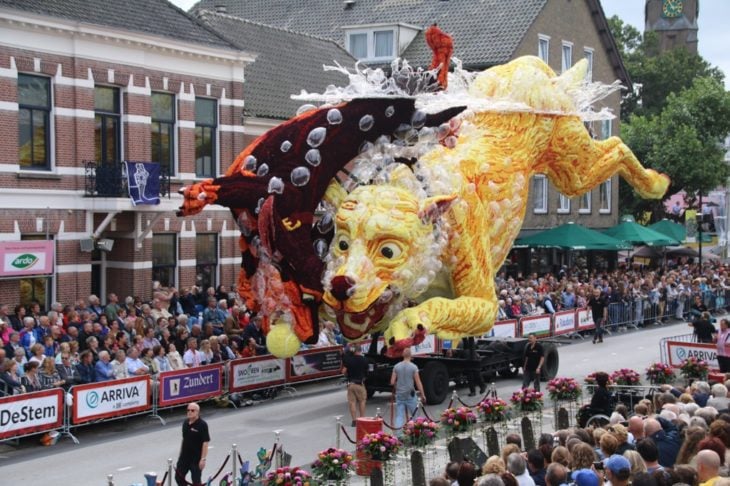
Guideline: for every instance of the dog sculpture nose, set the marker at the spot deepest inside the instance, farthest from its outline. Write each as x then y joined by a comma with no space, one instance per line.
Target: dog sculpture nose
342,287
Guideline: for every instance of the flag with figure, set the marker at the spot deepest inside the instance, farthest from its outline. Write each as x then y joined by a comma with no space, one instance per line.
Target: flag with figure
143,181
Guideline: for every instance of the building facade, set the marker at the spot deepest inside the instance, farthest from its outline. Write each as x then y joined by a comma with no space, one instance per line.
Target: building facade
85,86
675,22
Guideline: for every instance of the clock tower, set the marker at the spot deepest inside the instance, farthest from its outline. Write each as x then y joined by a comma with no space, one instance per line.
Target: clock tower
675,21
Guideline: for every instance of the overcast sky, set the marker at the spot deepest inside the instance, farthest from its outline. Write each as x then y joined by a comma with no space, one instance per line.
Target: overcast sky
713,20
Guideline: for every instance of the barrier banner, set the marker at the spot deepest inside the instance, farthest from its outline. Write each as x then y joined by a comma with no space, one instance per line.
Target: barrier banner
506,328
106,399
679,351
537,325
585,319
31,412
315,363
563,322
259,372
189,385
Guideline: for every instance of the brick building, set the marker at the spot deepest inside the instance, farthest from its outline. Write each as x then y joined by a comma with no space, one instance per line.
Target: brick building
84,86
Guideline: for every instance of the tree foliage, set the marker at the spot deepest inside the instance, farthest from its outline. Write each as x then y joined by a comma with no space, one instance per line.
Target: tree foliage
675,119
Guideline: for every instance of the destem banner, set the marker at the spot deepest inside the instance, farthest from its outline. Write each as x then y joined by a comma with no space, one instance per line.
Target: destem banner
110,398
259,372
189,385
31,412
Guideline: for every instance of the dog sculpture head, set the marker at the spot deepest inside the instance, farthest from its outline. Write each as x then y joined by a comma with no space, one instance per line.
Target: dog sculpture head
383,234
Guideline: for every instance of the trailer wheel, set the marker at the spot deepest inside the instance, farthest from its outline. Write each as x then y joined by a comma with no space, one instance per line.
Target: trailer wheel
552,362
510,371
435,379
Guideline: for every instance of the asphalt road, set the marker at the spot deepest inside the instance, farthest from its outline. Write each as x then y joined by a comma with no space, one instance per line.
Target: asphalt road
129,447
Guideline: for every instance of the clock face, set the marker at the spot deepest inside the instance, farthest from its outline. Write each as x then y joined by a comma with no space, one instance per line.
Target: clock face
672,8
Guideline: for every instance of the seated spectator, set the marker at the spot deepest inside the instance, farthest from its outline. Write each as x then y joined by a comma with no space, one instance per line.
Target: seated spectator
66,371
85,368
10,377
215,349
162,363
36,353
148,358
192,357
150,341
48,375
227,352
173,356
30,380
135,366
326,335
103,368
119,365
206,354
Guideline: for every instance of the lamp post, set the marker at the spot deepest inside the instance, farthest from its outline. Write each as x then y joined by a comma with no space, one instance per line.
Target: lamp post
700,218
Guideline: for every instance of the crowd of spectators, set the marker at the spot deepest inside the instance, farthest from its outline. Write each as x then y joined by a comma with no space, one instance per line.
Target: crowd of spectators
679,436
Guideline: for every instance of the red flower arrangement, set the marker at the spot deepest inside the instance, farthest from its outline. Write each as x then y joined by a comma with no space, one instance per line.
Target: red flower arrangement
660,373
332,464
380,446
288,476
493,409
458,419
564,389
625,376
527,400
420,431
694,368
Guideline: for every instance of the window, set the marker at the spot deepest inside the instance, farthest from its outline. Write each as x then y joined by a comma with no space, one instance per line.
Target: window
567,56
206,256
543,48
206,122
35,289
588,53
584,203
163,133
606,129
372,44
539,193
107,131
34,109
164,258
604,191
563,204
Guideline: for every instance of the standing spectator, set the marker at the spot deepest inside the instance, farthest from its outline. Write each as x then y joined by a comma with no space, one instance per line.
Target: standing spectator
517,466
355,368
194,447
532,363
254,336
16,320
723,346
213,316
703,328
112,307
536,466
104,369
599,311
406,380
29,335
708,467
618,470
666,437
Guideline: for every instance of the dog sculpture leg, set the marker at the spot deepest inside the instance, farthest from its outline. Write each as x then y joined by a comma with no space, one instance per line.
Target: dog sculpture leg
577,164
473,311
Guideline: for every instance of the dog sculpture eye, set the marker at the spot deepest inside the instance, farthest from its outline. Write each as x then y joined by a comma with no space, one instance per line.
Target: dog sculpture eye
342,245
390,251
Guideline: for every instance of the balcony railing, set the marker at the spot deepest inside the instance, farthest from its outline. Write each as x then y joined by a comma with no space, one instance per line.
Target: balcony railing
110,180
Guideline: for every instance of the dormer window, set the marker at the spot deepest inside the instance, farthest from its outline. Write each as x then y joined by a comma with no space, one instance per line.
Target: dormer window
377,44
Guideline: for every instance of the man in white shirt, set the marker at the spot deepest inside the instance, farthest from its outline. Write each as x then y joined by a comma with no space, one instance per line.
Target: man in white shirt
192,356
135,366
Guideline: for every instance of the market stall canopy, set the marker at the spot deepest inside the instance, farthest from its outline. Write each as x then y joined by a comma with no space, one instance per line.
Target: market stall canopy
573,236
635,234
670,229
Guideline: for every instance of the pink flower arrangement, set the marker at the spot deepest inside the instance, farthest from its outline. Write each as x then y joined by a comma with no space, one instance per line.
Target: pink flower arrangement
493,409
420,431
288,476
527,400
332,464
380,446
458,419
625,376
564,389
694,368
660,373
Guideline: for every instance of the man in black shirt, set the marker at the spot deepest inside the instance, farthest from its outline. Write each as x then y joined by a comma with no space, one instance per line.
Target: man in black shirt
599,311
355,368
194,447
534,358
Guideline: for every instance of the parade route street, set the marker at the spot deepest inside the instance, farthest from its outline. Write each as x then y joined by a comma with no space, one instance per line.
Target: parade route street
130,447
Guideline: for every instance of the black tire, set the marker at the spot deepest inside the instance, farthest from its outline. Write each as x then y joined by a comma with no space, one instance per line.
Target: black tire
435,379
552,363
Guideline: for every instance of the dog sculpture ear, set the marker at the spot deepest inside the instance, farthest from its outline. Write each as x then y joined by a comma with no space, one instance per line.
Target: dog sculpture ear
433,207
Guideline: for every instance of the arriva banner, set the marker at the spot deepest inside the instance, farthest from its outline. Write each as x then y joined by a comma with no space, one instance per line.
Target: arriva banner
110,398
564,322
30,413
679,351
538,325
24,258
254,373
191,384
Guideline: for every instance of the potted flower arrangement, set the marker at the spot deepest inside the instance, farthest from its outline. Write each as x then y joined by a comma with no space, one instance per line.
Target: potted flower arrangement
660,373
420,431
564,389
693,368
625,376
527,400
379,446
493,409
288,476
458,419
332,464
